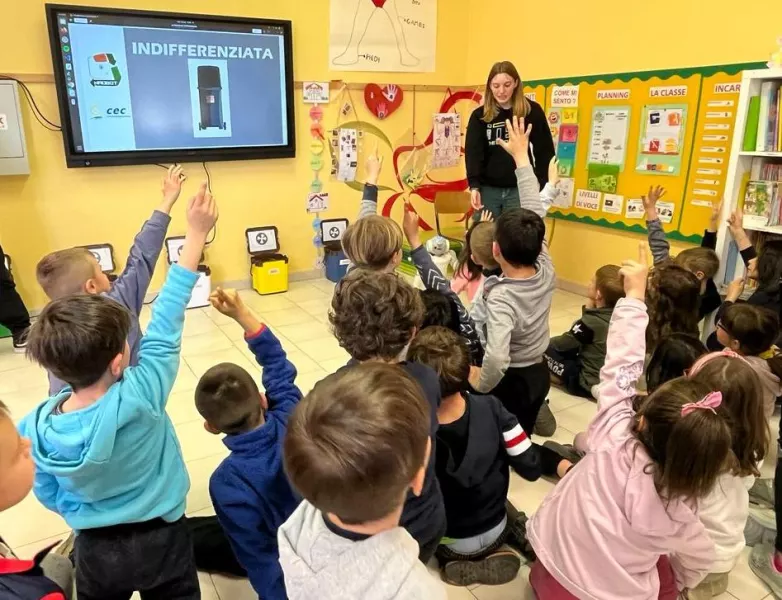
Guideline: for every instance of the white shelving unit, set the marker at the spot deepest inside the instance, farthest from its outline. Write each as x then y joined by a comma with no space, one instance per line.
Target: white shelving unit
740,163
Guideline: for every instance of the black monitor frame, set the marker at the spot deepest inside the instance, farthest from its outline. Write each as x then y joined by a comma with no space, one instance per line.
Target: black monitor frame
179,155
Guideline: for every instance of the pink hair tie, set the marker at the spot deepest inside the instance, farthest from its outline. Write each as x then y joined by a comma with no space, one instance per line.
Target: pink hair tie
711,356
710,402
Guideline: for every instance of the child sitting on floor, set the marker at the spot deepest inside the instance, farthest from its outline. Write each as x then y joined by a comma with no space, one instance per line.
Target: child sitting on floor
519,302
374,316
724,510
373,242
476,443
106,454
249,490
576,357
48,576
702,262
76,271
750,331
673,357
434,281
607,529
357,446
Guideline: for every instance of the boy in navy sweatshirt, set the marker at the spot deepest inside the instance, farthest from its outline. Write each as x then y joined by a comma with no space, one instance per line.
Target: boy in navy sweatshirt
249,490
76,271
106,454
477,441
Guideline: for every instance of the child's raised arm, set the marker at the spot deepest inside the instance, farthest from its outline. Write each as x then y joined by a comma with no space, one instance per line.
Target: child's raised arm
373,166
279,374
625,353
736,229
131,286
151,381
433,279
518,147
661,249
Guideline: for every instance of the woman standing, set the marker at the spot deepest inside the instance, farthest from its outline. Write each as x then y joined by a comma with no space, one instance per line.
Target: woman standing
491,170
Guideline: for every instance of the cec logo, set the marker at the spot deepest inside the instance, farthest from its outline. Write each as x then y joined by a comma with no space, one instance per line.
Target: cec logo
114,111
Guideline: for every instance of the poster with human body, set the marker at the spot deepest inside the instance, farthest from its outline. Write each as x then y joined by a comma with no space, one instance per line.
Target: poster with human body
446,140
383,35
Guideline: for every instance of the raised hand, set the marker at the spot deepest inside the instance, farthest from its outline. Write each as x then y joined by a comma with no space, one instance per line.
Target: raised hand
202,211
650,200
486,217
410,226
635,274
553,171
373,166
714,219
230,303
518,141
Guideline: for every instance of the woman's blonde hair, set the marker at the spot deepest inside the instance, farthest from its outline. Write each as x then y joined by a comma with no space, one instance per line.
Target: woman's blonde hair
372,242
519,102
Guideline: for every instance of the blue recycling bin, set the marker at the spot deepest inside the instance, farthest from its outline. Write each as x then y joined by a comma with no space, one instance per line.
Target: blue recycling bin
336,262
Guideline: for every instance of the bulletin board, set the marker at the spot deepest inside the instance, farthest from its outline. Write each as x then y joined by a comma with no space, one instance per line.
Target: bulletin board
618,134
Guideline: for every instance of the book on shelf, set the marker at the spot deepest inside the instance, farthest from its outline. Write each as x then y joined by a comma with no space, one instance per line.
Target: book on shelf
751,128
762,204
768,118
779,120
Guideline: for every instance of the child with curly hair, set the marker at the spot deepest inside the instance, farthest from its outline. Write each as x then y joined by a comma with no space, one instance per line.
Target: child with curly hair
374,315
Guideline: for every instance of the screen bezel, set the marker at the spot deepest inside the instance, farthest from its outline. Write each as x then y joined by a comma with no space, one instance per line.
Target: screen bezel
179,155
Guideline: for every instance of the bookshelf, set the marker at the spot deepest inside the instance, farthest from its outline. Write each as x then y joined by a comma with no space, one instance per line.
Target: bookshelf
739,170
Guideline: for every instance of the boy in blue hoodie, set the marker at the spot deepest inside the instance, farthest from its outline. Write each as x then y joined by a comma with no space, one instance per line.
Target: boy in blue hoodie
106,454
76,271
249,490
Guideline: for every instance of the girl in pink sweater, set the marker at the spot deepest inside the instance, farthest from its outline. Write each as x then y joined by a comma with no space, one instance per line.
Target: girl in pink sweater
632,500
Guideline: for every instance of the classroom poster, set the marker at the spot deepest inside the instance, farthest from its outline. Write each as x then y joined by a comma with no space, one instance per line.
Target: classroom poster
563,124
608,140
348,155
635,209
662,139
565,187
383,35
446,140
612,203
665,211
588,200
602,178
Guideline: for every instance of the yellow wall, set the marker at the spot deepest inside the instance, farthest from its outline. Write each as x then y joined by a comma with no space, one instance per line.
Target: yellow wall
573,37
55,207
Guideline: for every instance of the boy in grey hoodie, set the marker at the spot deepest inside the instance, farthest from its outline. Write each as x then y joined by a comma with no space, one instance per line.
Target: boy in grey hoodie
518,302
355,445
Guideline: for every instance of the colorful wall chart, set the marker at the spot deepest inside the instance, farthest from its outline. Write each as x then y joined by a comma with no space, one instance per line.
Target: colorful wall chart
672,128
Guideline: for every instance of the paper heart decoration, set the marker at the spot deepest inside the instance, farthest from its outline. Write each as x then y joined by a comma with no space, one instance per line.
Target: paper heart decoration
381,102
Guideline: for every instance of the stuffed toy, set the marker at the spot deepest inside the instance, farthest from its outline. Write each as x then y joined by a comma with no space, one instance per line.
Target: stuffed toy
442,255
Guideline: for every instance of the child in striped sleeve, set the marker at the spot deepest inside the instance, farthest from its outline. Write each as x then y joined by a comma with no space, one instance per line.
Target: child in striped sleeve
477,442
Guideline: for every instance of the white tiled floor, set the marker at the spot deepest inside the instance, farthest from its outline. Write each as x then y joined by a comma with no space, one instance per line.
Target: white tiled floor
299,318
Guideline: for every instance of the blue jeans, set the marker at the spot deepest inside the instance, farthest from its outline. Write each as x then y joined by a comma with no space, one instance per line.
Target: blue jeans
497,200
478,543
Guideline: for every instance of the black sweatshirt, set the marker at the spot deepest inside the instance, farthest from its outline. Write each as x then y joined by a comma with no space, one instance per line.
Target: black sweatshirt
473,456
488,164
